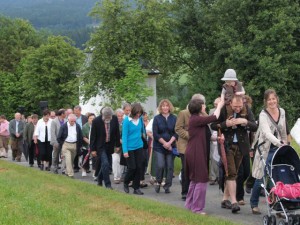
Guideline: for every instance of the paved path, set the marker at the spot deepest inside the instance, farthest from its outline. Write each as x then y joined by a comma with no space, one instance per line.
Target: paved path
213,198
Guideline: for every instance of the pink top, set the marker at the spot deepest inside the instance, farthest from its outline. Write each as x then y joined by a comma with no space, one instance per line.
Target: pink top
4,128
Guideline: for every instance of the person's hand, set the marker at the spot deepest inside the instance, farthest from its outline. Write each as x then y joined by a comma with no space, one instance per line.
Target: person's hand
117,150
126,155
251,154
56,145
17,135
221,104
35,140
94,154
229,123
167,145
240,121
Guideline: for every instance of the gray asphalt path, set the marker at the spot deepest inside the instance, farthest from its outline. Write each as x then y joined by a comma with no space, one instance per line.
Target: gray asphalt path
213,198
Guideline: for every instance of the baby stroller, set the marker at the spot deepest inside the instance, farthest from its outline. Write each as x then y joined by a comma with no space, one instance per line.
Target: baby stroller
282,165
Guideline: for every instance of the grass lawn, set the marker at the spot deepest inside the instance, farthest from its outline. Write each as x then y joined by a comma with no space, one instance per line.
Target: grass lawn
30,196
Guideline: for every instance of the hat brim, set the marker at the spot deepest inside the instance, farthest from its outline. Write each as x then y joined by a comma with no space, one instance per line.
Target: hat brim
228,78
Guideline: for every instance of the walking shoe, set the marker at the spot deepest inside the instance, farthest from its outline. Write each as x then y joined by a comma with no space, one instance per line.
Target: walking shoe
126,188
226,204
167,190
235,208
117,181
55,171
83,174
256,211
143,185
183,197
157,188
248,190
241,202
138,192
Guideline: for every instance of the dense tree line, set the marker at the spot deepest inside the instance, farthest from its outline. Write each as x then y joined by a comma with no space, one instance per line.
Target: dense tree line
67,18
193,42
34,68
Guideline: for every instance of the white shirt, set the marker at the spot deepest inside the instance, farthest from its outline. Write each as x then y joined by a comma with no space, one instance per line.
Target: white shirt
72,133
40,130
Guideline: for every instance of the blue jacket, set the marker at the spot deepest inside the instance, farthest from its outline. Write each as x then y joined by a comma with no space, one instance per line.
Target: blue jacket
165,129
63,134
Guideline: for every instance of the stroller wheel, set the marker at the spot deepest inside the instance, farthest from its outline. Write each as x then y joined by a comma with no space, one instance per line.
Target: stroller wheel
266,220
282,222
273,220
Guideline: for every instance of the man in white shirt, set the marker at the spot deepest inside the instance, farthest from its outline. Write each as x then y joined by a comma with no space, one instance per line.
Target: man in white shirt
70,138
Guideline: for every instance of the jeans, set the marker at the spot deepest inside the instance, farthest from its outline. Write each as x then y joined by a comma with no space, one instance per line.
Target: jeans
254,200
105,166
164,159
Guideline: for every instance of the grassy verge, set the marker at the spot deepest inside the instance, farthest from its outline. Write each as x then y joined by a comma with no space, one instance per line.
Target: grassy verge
295,146
34,197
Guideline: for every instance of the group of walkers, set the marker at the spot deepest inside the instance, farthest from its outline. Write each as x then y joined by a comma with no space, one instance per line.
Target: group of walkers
124,142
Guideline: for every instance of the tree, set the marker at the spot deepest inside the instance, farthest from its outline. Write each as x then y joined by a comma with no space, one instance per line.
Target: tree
16,35
126,34
260,39
50,73
11,94
132,86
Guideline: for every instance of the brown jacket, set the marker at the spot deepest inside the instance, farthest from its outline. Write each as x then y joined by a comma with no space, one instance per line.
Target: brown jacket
181,128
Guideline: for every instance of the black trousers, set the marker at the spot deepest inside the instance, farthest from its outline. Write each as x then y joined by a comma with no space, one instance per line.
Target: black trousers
134,168
243,174
45,151
185,181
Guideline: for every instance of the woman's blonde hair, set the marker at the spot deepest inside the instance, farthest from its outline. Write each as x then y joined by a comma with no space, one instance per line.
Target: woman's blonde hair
168,102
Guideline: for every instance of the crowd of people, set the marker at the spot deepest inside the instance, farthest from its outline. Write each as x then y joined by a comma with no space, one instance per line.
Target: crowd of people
126,144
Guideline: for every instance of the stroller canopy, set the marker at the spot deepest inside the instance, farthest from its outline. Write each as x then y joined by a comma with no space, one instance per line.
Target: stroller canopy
284,155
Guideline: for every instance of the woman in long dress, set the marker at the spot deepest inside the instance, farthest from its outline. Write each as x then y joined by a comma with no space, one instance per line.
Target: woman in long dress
197,155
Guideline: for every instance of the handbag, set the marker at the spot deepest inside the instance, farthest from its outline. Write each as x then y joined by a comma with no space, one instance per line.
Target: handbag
36,148
295,132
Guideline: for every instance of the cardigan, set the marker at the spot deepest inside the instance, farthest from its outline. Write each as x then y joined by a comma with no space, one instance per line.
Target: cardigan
266,131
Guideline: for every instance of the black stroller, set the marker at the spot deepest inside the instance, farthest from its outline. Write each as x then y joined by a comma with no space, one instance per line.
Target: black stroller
283,165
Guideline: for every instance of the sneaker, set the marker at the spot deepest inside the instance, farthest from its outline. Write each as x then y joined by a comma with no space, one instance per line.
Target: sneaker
235,208
83,174
226,204
117,181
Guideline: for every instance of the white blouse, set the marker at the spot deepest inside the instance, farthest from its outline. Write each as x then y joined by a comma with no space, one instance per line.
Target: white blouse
40,130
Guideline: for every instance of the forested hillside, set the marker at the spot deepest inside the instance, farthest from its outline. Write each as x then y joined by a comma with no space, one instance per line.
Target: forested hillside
65,17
